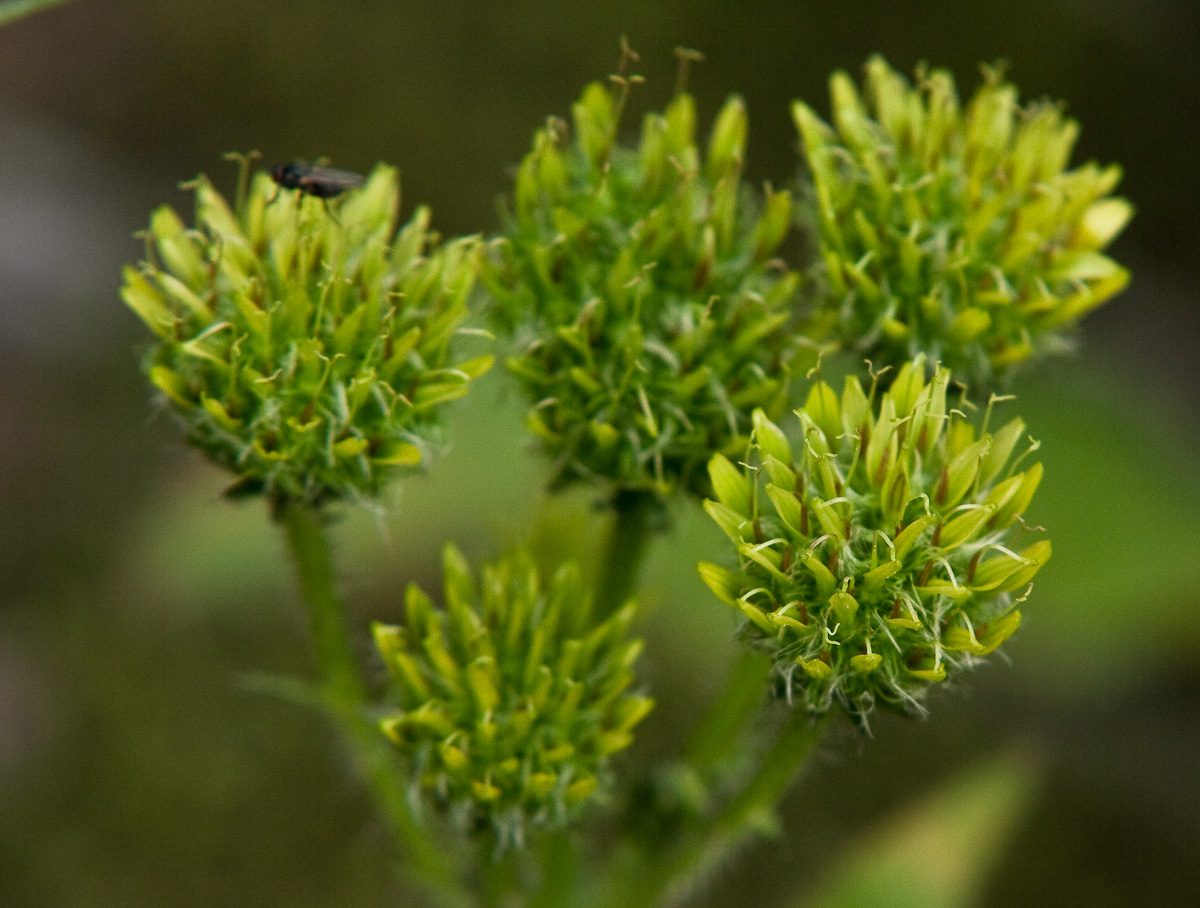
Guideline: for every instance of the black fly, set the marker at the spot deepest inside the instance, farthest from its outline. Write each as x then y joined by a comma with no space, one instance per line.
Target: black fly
323,183
312,179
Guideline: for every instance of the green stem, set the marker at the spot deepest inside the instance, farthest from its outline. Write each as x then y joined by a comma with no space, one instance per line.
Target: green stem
559,862
345,692
327,622
495,874
664,880
628,538
719,734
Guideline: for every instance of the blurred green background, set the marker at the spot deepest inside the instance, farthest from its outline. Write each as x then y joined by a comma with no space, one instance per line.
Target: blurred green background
136,769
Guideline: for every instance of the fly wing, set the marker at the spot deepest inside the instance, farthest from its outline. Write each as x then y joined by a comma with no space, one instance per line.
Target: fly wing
327,182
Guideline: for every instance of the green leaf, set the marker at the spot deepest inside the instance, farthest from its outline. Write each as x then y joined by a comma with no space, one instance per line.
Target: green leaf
939,852
17,9
1120,498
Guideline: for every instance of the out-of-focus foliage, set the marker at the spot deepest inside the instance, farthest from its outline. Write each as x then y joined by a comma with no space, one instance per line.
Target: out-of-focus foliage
937,853
11,10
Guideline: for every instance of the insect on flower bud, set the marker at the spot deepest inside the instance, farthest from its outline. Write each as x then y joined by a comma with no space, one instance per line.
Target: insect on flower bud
308,356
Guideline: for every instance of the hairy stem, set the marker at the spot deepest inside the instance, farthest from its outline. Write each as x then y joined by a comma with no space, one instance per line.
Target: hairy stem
345,693
327,621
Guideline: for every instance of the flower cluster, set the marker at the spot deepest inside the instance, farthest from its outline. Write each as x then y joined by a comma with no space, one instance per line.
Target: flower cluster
509,701
305,352
956,232
648,312
878,557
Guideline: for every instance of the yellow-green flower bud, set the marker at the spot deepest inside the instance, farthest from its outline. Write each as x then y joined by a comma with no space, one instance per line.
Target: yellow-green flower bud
508,702
306,352
643,296
889,561
956,232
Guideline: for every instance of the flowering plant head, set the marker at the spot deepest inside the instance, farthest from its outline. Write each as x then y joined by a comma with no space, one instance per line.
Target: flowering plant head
305,352
648,313
879,554
956,232
508,702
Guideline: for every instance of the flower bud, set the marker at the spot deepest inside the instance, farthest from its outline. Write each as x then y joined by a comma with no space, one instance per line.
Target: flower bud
308,354
643,295
508,702
956,233
887,564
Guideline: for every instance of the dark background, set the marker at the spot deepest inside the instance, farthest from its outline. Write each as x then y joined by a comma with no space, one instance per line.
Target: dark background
136,769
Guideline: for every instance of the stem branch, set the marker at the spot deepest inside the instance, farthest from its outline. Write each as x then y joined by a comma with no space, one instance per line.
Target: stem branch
345,693
720,732
665,880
